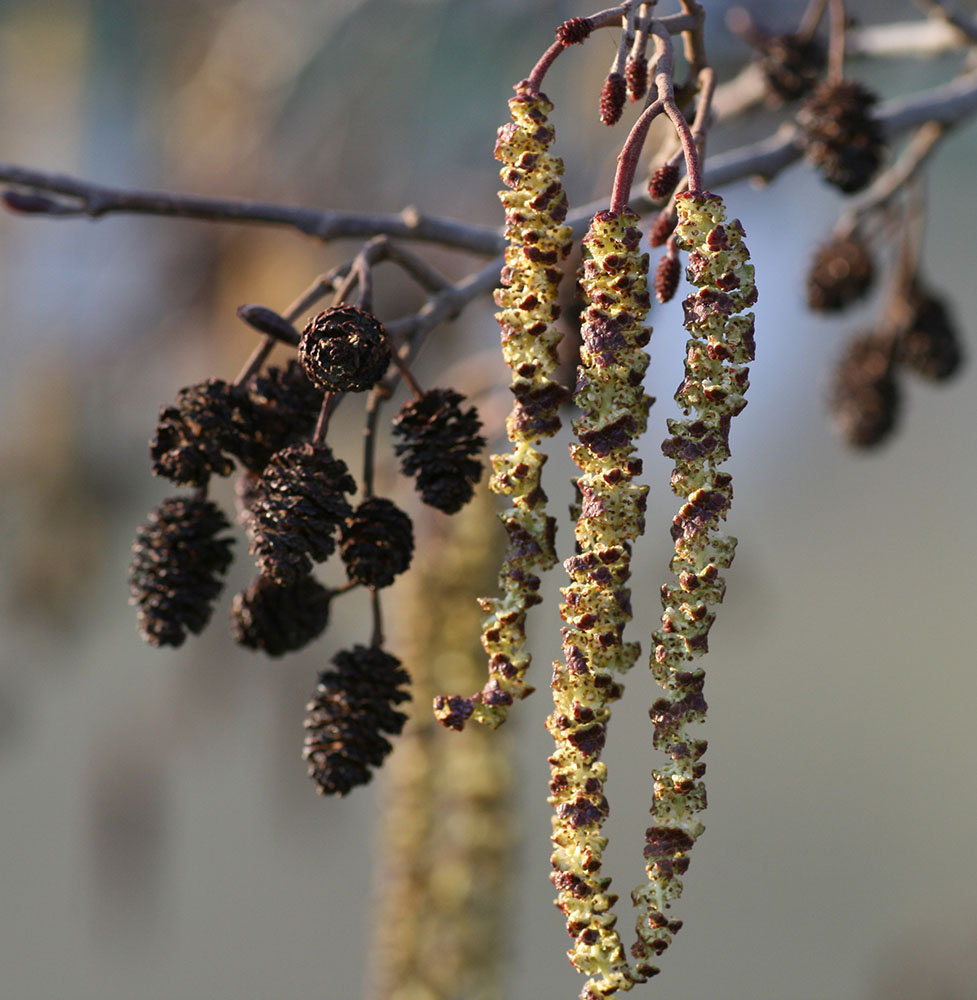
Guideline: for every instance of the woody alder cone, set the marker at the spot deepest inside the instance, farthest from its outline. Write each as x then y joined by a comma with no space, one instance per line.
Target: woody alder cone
295,510
192,436
177,563
865,396
841,273
791,66
840,136
280,619
286,408
437,442
930,346
377,543
344,349
351,709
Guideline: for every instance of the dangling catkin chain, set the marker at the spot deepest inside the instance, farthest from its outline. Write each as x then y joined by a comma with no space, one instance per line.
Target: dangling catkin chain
597,602
716,378
537,241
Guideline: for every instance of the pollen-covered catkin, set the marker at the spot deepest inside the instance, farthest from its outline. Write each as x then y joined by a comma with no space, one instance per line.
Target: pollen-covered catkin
716,378
535,207
597,601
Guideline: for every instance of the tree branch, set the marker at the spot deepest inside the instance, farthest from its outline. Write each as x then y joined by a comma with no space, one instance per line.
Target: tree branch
96,200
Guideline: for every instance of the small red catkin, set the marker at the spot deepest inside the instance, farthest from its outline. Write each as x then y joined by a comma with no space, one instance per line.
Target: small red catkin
662,182
666,278
636,76
612,96
661,229
574,31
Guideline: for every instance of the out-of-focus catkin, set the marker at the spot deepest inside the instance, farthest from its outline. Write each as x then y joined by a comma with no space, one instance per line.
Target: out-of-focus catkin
712,392
535,207
597,601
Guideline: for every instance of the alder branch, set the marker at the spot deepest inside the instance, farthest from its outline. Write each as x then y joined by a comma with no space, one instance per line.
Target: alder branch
96,200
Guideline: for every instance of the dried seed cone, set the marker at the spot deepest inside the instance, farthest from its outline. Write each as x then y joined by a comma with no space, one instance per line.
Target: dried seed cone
286,408
712,393
930,345
791,66
840,136
279,619
438,442
841,273
597,602
535,207
377,542
196,437
176,570
344,349
296,509
865,396
352,708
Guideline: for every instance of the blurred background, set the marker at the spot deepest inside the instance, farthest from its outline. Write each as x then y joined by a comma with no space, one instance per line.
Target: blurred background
159,838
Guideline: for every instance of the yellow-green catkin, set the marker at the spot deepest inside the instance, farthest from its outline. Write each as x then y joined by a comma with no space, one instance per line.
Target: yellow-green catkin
446,843
535,207
716,378
597,601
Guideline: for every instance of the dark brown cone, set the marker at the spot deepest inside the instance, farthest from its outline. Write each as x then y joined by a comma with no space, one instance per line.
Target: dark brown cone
841,273
791,66
864,395
666,278
177,562
636,76
662,228
840,136
662,182
437,442
296,509
286,407
352,707
196,437
344,349
280,619
612,97
377,543
931,344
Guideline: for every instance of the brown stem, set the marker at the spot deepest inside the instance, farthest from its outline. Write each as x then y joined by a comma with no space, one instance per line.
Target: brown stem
96,200
836,43
377,639
811,19
329,401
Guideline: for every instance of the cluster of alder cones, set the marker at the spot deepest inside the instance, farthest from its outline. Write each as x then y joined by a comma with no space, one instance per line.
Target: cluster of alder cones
294,504
844,142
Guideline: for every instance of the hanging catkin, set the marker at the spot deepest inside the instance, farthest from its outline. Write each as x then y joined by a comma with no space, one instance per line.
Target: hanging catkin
710,395
597,601
535,207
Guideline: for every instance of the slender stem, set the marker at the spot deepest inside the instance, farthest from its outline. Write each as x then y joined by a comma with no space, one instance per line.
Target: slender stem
379,393
329,401
836,45
534,81
627,160
811,20
377,639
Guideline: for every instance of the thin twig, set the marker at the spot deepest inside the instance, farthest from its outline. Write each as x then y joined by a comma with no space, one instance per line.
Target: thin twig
96,200
836,41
